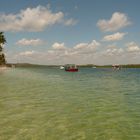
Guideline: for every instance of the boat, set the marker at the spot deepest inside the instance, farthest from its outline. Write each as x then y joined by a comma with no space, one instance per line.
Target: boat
94,67
116,67
71,68
62,67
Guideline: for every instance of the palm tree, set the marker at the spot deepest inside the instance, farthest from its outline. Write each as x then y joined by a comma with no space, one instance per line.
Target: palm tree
2,42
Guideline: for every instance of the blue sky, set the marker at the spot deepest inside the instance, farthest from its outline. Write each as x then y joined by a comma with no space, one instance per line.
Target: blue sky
74,31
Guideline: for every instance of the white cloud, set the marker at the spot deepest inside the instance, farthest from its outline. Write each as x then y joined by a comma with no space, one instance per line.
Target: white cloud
82,53
117,21
113,51
32,19
58,46
85,48
70,22
91,45
27,53
60,53
114,37
81,46
30,42
132,47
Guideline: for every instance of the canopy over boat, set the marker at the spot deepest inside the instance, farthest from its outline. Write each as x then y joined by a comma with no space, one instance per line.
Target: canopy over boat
71,67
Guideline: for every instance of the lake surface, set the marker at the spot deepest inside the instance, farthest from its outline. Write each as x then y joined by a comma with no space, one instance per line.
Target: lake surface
42,103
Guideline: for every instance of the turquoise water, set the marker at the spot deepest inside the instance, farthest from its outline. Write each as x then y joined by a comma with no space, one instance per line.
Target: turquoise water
41,103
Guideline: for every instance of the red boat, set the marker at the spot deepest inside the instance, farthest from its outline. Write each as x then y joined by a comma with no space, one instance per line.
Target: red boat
71,68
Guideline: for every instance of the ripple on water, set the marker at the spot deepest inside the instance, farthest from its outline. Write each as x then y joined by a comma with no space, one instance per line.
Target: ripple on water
48,103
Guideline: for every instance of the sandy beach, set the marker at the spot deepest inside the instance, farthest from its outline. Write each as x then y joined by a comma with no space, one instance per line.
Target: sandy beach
3,68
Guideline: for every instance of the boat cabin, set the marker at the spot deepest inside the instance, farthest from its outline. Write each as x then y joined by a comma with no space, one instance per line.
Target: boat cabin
71,67
116,67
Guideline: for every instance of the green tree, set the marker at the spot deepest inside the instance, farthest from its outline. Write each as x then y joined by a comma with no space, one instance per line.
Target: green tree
2,42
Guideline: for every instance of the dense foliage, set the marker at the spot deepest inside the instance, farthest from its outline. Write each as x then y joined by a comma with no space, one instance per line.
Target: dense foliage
2,42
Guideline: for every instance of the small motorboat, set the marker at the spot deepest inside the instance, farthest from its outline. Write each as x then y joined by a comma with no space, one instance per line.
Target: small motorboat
62,67
94,67
116,67
71,68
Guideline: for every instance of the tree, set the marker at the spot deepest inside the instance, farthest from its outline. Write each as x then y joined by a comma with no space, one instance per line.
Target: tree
2,42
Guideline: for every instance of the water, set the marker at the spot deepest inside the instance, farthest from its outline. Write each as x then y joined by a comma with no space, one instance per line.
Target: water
41,103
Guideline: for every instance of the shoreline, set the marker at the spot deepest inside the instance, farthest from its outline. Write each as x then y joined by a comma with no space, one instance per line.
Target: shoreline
12,65
3,67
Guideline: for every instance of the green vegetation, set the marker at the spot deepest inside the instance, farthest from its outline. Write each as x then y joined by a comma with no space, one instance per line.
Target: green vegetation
2,42
80,66
131,66
110,66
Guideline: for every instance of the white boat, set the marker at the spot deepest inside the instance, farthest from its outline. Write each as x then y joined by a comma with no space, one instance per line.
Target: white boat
62,67
94,67
116,67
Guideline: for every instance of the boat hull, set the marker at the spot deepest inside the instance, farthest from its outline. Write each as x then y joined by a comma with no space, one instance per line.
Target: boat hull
71,70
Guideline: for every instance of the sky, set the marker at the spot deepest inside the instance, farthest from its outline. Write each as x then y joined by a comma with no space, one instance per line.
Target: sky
59,32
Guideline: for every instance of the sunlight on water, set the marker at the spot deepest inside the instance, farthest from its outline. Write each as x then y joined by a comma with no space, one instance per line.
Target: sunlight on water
42,103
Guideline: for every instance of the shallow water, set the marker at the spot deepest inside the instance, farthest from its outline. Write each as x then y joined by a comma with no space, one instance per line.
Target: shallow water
42,103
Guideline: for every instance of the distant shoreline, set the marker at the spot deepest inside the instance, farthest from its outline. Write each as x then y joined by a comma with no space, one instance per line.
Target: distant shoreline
86,65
